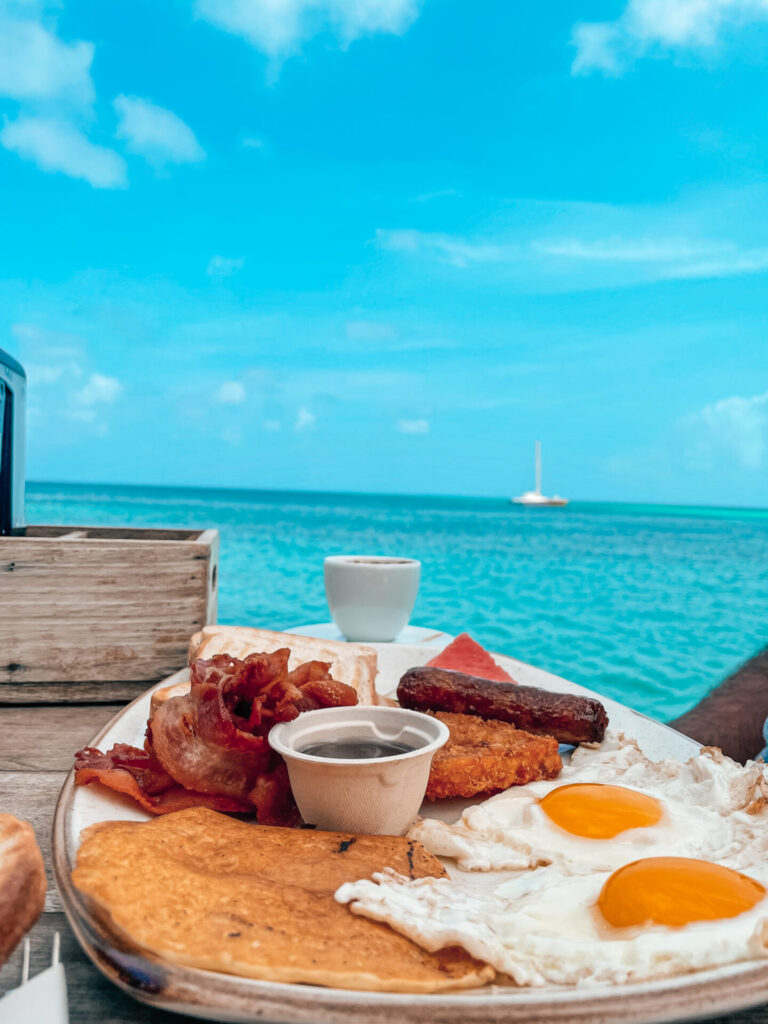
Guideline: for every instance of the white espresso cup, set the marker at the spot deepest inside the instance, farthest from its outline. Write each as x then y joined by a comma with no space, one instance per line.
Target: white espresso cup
371,597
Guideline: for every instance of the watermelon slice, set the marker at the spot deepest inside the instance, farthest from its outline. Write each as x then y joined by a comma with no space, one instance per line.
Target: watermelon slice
466,655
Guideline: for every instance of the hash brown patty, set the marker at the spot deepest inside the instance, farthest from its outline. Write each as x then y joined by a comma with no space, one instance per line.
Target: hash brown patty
486,756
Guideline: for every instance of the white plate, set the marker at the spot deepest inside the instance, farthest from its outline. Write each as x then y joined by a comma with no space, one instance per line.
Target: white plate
223,997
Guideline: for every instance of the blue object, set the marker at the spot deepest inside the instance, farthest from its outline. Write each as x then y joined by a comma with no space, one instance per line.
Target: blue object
13,421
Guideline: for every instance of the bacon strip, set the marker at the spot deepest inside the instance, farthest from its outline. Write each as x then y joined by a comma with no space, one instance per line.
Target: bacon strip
140,775
209,747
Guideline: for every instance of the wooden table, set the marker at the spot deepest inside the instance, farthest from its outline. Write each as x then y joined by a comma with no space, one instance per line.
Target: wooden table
36,748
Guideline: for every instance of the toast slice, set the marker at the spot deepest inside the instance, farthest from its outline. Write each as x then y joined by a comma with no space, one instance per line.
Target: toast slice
165,693
353,664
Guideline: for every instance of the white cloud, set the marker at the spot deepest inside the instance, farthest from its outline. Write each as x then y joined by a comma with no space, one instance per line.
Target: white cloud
637,250
53,342
567,245
231,392
48,356
98,390
305,420
224,266
736,427
56,145
464,252
459,252
279,27
367,330
157,134
648,27
413,426
252,142
671,259
272,425
752,261
43,373
51,78
82,415
596,48
37,65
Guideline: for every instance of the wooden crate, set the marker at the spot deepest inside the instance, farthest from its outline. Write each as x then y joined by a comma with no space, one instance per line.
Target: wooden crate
93,613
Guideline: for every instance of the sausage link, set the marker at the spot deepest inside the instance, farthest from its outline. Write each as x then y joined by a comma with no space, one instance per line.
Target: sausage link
568,717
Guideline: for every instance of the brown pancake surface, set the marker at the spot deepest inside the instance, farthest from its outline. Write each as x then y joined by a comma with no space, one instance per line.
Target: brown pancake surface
202,889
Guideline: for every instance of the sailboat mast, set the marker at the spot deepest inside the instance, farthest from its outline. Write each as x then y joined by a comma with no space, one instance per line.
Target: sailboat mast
538,467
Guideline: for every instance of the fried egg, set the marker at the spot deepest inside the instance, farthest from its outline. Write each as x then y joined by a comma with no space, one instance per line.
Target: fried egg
611,806
652,918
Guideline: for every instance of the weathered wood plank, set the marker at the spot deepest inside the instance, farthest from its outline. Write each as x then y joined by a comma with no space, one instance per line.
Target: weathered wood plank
35,571
115,532
35,739
126,648
81,583
32,796
26,552
87,605
73,692
31,695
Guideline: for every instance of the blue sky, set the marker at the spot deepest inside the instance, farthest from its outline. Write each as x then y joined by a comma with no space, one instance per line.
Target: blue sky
386,244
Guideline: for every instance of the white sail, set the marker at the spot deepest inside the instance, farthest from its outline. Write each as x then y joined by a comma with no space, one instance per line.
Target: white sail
536,498
538,467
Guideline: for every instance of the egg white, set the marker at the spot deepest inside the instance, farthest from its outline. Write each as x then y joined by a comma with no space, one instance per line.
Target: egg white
712,809
544,928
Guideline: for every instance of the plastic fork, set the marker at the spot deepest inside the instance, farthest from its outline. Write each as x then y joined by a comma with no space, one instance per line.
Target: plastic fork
42,998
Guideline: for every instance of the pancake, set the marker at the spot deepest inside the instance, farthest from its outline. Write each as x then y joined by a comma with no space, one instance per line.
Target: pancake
204,890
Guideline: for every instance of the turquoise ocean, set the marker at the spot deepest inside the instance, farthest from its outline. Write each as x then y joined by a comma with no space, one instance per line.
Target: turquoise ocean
650,604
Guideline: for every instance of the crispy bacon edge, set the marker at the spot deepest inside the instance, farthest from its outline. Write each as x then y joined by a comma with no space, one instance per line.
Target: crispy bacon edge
260,691
140,775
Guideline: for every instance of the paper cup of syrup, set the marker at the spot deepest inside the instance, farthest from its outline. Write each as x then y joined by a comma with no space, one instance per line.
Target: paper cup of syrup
359,769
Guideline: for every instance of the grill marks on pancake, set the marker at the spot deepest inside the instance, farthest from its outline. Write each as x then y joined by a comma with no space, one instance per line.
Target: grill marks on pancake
409,855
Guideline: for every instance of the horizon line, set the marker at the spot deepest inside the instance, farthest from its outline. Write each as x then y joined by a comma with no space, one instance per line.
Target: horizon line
381,494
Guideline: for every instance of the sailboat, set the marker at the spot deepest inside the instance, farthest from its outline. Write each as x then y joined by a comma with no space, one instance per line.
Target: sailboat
536,498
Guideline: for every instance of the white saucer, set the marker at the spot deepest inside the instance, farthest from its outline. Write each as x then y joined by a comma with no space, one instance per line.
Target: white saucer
410,635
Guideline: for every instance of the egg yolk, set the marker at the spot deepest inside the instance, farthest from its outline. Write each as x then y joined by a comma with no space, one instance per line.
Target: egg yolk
675,891
597,811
